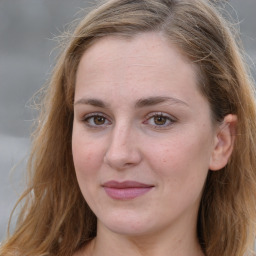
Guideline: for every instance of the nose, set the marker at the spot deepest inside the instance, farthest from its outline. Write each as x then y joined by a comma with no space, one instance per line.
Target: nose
123,150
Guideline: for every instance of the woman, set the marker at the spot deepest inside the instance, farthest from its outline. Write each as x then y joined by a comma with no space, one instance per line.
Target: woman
145,144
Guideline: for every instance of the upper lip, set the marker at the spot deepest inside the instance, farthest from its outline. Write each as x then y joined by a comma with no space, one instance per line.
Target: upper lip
126,184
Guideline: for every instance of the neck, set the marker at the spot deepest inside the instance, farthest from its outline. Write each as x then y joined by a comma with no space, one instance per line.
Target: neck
162,243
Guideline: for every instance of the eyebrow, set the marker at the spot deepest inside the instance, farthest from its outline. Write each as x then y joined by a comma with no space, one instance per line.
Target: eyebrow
151,101
93,102
143,102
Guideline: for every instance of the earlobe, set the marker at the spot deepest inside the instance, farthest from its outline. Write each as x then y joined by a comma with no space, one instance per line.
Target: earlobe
224,143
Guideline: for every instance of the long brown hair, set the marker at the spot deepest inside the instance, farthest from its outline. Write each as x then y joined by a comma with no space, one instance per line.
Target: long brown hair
55,219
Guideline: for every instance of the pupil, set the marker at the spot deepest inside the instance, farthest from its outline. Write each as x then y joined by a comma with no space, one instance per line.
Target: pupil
160,120
99,120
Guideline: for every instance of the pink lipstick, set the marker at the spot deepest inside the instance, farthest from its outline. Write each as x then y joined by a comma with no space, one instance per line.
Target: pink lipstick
126,190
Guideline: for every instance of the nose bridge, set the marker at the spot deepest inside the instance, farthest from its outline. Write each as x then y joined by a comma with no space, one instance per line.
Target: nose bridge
122,150
122,135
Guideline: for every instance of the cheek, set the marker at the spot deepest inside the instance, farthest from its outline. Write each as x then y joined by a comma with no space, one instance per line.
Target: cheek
87,161
87,157
181,160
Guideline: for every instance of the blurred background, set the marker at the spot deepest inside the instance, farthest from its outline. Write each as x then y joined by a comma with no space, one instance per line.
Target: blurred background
27,30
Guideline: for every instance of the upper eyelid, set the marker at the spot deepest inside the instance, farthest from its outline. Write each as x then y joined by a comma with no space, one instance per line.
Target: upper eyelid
94,114
152,114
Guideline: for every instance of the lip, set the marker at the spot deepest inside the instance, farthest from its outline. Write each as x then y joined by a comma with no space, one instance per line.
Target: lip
126,190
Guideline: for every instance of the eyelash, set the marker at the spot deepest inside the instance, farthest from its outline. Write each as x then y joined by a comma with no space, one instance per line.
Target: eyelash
167,118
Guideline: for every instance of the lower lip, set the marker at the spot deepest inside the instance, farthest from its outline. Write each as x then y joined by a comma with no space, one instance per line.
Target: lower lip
126,193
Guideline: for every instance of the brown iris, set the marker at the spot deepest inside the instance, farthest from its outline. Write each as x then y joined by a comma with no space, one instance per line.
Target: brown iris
160,120
99,120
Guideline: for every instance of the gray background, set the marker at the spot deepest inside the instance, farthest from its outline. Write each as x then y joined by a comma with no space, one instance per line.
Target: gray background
27,29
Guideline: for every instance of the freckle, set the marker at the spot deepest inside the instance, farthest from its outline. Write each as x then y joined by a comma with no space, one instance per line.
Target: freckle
89,156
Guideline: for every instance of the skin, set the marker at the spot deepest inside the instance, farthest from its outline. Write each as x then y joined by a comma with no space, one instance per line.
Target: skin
168,143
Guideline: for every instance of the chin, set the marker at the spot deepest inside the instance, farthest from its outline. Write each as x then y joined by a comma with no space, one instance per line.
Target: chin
127,225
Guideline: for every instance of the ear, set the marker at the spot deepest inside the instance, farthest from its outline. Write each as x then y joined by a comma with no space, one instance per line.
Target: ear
224,143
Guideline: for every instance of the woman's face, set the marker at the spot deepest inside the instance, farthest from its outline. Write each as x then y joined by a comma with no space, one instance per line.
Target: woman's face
142,135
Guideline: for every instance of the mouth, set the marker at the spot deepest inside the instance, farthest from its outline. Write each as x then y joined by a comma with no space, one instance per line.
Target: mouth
126,190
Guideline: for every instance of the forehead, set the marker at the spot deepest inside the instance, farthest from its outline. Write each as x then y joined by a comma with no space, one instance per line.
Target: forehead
140,66
151,48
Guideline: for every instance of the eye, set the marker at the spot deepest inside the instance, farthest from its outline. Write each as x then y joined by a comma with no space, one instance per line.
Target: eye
96,120
159,120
